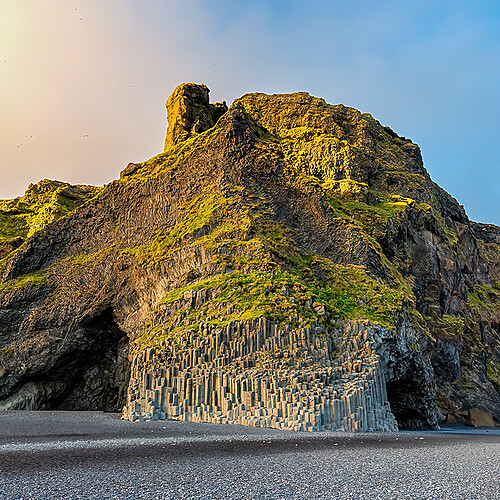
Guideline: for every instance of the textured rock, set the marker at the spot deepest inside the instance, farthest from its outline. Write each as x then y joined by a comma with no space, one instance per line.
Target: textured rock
246,374
130,169
9,246
189,112
306,235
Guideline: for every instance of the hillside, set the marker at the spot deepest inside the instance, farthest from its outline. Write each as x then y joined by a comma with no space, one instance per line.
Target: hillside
42,204
284,262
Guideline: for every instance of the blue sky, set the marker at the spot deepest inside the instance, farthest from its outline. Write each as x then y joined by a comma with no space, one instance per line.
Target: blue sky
83,82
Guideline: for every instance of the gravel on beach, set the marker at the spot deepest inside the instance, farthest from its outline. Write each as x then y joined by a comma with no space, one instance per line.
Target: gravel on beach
95,455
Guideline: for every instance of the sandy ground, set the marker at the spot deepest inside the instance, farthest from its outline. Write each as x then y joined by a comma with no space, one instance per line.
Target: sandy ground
96,455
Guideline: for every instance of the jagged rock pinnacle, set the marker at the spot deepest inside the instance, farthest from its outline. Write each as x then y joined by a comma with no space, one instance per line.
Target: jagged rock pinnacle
190,112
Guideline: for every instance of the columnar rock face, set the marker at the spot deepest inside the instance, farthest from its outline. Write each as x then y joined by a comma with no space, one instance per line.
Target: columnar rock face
284,262
262,375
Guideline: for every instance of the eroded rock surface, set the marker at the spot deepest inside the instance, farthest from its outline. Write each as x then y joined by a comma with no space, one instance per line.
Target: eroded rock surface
292,258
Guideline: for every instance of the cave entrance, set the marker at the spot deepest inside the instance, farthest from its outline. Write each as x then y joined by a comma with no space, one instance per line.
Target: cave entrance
101,371
412,396
401,396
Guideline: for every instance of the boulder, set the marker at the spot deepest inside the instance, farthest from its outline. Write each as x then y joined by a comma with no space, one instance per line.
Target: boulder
130,169
479,418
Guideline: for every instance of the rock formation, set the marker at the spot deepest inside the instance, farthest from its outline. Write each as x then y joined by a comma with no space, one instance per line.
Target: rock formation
189,112
248,374
283,263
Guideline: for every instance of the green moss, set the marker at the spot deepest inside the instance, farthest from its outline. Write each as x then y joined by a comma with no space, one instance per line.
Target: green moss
196,214
237,228
282,296
262,252
485,301
34,279
273,278
489,251
314,157
345,188
79,276
389,155
493,372
250,241
396,181
171,159
275,242
73,263
371,219
42,204
223,235
449,325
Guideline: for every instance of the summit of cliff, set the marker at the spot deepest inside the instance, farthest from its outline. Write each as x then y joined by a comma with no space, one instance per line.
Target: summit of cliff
280,246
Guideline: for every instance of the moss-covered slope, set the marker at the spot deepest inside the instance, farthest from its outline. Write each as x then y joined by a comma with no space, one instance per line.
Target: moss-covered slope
41,204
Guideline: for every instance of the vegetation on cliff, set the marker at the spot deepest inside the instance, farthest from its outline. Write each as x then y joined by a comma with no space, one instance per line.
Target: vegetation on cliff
41,204
283,207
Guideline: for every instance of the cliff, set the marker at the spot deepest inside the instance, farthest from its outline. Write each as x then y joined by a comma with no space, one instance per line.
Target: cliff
284,262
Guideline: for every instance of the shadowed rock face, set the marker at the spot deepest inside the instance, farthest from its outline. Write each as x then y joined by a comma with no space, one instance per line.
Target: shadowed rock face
282,211
9,246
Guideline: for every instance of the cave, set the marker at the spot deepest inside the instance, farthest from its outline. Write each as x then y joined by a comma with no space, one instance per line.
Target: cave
98,375
412,396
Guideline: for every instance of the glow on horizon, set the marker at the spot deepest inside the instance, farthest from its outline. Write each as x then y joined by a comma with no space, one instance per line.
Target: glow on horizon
83,83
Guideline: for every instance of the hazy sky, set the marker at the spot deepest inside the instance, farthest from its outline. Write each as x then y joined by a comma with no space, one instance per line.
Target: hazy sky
83,82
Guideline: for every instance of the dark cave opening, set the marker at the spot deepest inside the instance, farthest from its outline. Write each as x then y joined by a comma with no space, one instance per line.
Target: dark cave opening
98,375
402,399
412,396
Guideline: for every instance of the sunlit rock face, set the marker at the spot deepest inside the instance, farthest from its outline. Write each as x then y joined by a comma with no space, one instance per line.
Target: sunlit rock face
189,112
283,263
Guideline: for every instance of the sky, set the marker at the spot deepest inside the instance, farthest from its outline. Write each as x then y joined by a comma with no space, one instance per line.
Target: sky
83,83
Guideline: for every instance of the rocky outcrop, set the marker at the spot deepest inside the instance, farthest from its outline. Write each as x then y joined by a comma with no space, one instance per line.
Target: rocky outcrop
286,263
189,112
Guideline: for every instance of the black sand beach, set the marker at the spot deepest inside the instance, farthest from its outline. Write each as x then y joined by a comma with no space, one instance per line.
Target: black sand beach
96,455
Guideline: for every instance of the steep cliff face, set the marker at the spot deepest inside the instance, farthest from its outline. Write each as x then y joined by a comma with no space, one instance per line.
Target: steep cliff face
283,263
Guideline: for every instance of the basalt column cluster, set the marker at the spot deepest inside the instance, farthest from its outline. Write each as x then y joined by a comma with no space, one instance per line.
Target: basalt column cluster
261,374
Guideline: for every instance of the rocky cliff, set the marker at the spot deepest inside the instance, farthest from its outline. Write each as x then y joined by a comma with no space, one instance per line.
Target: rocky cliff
284,262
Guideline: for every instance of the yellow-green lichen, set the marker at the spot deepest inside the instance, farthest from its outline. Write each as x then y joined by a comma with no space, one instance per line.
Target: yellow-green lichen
449,325
42,204
33,279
